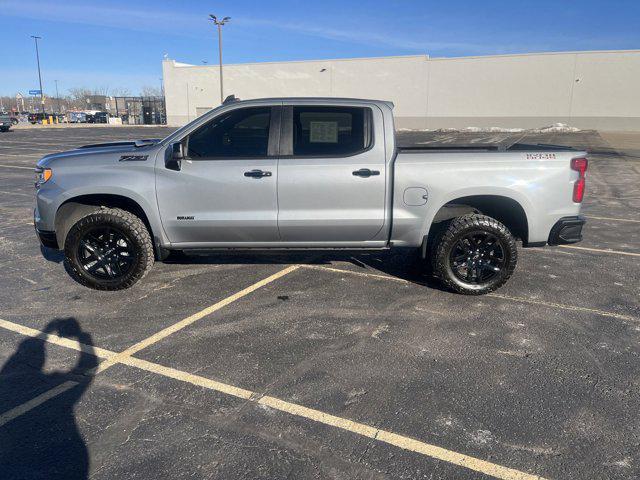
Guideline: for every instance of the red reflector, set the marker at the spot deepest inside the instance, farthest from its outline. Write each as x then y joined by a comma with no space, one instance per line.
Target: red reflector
578,190
579,165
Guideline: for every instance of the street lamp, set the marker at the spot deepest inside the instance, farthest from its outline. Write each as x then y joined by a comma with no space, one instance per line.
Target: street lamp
35,38
219,23
57,97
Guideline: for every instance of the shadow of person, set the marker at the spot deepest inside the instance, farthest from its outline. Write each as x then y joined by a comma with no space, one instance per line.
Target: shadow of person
44,443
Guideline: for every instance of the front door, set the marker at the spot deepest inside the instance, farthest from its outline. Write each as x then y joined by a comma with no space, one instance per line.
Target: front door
225,191
331,175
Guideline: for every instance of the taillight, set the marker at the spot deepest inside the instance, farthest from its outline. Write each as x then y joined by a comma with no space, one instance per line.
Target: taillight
579,165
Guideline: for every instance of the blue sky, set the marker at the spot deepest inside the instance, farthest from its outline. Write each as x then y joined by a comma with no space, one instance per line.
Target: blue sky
120,44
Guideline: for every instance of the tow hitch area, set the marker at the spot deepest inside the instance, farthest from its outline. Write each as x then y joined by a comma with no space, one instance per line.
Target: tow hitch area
567,230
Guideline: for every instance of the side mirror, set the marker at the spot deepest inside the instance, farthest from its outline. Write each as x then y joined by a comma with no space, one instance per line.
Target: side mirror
173,156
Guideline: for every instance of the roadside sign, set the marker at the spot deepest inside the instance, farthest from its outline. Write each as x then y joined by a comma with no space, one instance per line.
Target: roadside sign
35,92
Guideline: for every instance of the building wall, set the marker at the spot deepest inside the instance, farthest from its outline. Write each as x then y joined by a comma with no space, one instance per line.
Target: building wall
583,89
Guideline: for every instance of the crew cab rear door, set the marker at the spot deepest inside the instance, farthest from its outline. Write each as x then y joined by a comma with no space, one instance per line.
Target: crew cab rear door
331,173
224,192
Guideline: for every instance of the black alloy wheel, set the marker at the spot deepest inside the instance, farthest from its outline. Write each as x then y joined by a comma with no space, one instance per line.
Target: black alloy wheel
477,257
106,253
474,254
108,249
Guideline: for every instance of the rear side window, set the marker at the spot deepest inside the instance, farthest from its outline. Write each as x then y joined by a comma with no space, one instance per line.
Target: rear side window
331,131
239,133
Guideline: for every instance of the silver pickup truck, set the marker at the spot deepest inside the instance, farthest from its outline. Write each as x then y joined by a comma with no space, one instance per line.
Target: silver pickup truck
305,173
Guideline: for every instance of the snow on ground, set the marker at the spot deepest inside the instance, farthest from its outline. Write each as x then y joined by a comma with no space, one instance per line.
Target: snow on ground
555,128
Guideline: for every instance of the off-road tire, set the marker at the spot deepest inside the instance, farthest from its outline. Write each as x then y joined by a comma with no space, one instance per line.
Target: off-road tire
120,220
447,238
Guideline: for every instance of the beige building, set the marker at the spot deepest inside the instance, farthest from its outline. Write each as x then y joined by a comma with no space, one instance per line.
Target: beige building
599,90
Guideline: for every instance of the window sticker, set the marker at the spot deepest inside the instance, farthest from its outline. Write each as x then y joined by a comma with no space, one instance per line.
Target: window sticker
323,132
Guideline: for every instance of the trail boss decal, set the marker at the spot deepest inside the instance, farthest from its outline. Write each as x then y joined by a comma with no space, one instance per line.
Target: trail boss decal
541,156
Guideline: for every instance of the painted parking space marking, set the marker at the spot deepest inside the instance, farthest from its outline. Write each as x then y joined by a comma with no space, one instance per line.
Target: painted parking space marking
612,219
561,306
24,148
17,166
20,155
113,358
35,143
15,412
164,333
600,250
384,436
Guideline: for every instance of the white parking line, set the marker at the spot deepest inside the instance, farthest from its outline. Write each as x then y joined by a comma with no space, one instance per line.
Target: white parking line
561,306
120,357
600,250
18,166
36,155
612,219
384,436
35,150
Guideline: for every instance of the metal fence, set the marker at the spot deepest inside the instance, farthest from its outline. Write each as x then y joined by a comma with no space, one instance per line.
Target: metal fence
141,110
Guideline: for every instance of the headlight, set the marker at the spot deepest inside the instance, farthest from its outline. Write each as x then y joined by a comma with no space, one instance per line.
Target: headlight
42,176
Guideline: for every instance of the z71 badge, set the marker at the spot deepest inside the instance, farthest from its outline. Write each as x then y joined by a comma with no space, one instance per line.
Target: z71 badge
133,158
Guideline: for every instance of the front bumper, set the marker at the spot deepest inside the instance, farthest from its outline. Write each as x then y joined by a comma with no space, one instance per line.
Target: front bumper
48,239
567,230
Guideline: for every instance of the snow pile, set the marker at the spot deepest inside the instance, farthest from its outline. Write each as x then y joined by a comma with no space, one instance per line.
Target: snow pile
555,128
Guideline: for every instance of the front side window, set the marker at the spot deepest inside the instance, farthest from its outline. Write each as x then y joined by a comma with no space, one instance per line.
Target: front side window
331,131
239,133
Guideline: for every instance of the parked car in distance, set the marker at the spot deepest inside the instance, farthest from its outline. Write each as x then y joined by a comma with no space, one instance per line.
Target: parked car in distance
36,118
101,117
305,173
77,117
6,122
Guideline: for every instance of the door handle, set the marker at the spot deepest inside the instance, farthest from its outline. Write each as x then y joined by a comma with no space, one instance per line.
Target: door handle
365,172
257,174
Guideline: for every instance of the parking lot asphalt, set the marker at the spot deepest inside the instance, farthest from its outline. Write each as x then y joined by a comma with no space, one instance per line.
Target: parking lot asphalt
324,366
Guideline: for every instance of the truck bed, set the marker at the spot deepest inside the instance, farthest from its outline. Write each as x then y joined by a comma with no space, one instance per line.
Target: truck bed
497,147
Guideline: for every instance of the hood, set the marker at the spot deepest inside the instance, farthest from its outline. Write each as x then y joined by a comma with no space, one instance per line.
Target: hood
136,147
128,143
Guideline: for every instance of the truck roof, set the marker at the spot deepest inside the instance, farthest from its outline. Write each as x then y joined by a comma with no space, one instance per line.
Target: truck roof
232,99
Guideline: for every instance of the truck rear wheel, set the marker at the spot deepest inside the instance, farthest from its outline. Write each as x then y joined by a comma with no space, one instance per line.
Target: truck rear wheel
474,254
109,249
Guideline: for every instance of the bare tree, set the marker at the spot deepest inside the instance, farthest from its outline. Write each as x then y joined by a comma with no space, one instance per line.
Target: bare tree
103,90
149,91
120,92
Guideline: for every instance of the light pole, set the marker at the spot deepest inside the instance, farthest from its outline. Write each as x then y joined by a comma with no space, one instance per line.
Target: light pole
219,23
35,38
57,97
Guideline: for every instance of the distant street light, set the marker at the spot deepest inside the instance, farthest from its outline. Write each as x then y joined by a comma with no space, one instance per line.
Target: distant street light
219,23
35,38
58,97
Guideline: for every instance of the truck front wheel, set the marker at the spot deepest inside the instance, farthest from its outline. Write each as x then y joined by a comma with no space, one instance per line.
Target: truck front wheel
474,254
109,249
